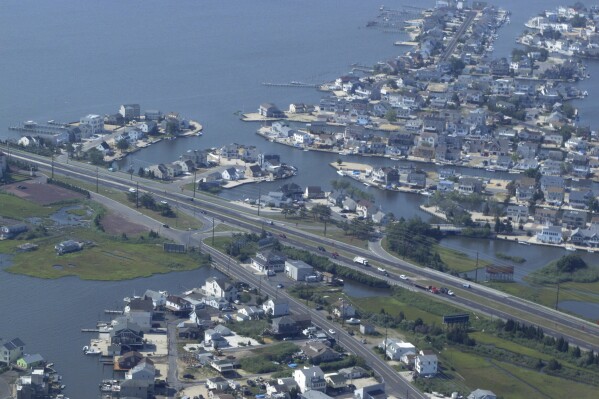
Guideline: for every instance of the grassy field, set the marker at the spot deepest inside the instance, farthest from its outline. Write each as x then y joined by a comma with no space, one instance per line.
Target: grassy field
14,207
507,380
546,294
458,261
107,259
182,221
221,228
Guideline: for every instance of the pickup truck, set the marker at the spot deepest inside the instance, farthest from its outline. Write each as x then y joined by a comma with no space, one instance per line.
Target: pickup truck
360,260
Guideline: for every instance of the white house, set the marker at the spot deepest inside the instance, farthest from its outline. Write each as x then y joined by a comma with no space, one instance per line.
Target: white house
11,350
302,138
343,309
91,124
144,370
310,378
158,297
251,312
426,364
27,141
276,307
220,288
550,234
395,350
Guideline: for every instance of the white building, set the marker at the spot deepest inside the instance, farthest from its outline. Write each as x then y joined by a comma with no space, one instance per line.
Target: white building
426,364
91,124
276,307
310,378
395,350
220,288
551,235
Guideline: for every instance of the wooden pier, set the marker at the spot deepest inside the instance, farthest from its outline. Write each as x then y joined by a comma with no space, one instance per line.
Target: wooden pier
291,84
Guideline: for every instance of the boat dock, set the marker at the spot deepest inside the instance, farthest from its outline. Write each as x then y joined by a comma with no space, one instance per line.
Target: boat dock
90,330
292,84
108,311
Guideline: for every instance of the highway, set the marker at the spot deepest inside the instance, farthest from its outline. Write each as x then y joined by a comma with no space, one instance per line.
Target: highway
553,322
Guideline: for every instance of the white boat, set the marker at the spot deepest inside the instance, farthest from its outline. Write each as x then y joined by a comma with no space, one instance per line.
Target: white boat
570,248
93,351
341,173
85,348
590,251
524,242
367,185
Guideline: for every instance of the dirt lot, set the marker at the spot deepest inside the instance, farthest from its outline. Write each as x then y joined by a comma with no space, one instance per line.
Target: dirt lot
40,192
114,223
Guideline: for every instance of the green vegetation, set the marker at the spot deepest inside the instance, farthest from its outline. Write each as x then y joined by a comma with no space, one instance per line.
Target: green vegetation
415,240
458,261
515,259
103,257
262,359
17,208
567,268
251,328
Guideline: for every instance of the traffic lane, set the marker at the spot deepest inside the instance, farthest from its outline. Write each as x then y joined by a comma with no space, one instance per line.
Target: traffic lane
414,269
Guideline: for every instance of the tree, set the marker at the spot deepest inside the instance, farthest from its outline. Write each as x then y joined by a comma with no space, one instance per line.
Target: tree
147,201
122,144
391,115
95,156
570,263
141,172
172,127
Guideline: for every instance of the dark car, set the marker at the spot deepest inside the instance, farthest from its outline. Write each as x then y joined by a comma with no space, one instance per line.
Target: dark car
191,199
189,376
335,255
282,235
322,249
166,226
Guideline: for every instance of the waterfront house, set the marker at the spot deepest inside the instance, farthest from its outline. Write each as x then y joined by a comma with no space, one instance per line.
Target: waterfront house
586,236
527,149
152,115
91,124
140,312
349,204
186,166
269,260
269,110
158,298
550,234
201,317
424,151
215,302
318,352
470,185
220,288
104,148
298,270
546,216
11,350
425,364
365,208
310,378
114,119
230,174
335,198
386,175
125,336
30,361
178,305
314,192
8,232
130,111
68,246
276,307
173,169
158,171
416,178
300,108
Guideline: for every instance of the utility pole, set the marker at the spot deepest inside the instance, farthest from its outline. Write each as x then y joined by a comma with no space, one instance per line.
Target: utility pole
476,270
557,295
96,174
53,168
259,195
212,230
137,194
194,183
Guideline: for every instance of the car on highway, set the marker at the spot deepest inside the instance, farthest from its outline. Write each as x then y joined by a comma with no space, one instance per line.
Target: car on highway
335,255
331,331
380,269
132,190
164,202
282,235
166,226
280,286
191,199
403,277
466,285
450,293
322,249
